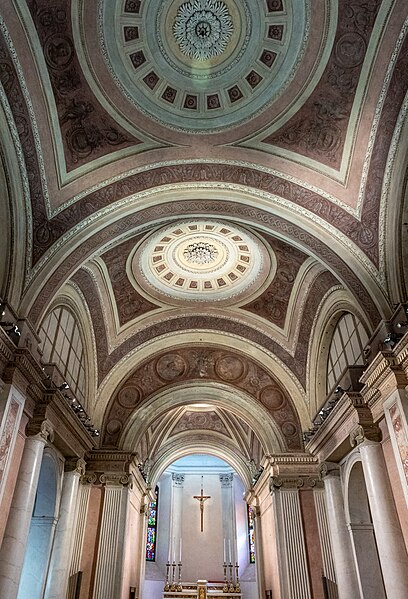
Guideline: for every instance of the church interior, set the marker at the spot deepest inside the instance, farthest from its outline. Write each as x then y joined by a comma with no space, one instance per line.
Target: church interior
203,299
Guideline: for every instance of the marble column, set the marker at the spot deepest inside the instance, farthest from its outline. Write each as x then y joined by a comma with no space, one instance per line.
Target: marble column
259,561
57,581
325,543
18,524
109,563
79,534
228,517
294,575
390,543
175,516
346,576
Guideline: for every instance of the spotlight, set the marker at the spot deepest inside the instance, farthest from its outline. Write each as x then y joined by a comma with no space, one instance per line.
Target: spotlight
63,387
392,339
3,307
339,391
95,433
402,325
13,330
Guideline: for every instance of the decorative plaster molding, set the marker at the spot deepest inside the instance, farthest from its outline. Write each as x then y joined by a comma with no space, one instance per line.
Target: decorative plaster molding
41,429
75,465
329,469
364,433
115,479
294,483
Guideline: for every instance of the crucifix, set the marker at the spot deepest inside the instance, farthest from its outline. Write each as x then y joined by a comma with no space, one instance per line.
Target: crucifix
201,498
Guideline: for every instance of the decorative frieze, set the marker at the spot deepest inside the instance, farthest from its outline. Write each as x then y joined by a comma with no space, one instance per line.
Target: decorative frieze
299,482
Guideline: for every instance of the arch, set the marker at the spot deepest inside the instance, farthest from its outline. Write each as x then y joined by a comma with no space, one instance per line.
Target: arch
262,210
71,300
241,404
337,303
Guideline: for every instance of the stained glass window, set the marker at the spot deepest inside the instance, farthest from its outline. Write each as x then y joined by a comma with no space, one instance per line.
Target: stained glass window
251,535
151,529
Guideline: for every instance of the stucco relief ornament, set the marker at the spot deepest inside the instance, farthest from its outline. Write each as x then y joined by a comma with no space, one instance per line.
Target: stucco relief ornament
203,28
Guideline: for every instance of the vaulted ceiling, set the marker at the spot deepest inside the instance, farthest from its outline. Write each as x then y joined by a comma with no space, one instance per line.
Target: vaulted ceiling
129,127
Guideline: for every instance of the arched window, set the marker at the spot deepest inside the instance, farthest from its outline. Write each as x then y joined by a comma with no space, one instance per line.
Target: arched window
346,348
61,344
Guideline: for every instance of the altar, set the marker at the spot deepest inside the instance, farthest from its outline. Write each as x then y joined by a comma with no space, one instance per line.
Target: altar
202,590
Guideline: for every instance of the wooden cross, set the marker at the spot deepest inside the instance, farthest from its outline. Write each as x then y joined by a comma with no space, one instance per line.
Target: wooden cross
201,498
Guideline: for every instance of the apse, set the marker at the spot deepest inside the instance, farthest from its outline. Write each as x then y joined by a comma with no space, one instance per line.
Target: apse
199,521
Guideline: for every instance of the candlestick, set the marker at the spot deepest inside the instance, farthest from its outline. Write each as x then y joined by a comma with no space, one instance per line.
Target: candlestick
231,585
237,585
174,549
225,587
229,550
181,542
167,585
173,577
225,556
179,587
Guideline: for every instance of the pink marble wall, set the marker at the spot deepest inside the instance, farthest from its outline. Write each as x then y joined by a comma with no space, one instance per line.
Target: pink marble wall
10,481
395,481
91,539
312,542
401,436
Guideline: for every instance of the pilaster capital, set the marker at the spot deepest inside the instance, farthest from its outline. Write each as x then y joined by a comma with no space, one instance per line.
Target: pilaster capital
89,478
226,480
75,465
178,479
329,469
294,483
40,429
361,433
115,479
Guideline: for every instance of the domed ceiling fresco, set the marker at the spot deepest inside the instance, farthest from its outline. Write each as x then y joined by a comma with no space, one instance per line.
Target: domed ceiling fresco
205,182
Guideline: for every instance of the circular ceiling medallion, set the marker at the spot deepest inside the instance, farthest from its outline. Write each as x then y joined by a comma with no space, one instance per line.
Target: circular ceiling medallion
203,28
203,261
203,65
129,397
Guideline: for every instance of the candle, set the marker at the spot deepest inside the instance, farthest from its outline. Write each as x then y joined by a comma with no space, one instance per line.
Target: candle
229,549
180,550
169,555
174,550
225,553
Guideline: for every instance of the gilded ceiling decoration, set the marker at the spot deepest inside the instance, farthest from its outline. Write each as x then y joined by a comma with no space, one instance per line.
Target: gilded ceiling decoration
202,260
203,65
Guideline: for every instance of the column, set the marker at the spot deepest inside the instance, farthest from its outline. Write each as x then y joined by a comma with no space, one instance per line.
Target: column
83,501
325,544
57,581
346,577
390,543
259,561
109,563
228,517
175,516
18,524
293,567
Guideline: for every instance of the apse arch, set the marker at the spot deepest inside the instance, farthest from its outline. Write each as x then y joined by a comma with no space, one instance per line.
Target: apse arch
184,449
239,403
200,338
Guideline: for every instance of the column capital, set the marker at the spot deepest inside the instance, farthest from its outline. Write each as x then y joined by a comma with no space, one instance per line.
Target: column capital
366,432
329,469
75,465
40,429
226,480
115,479
178,479
294,483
